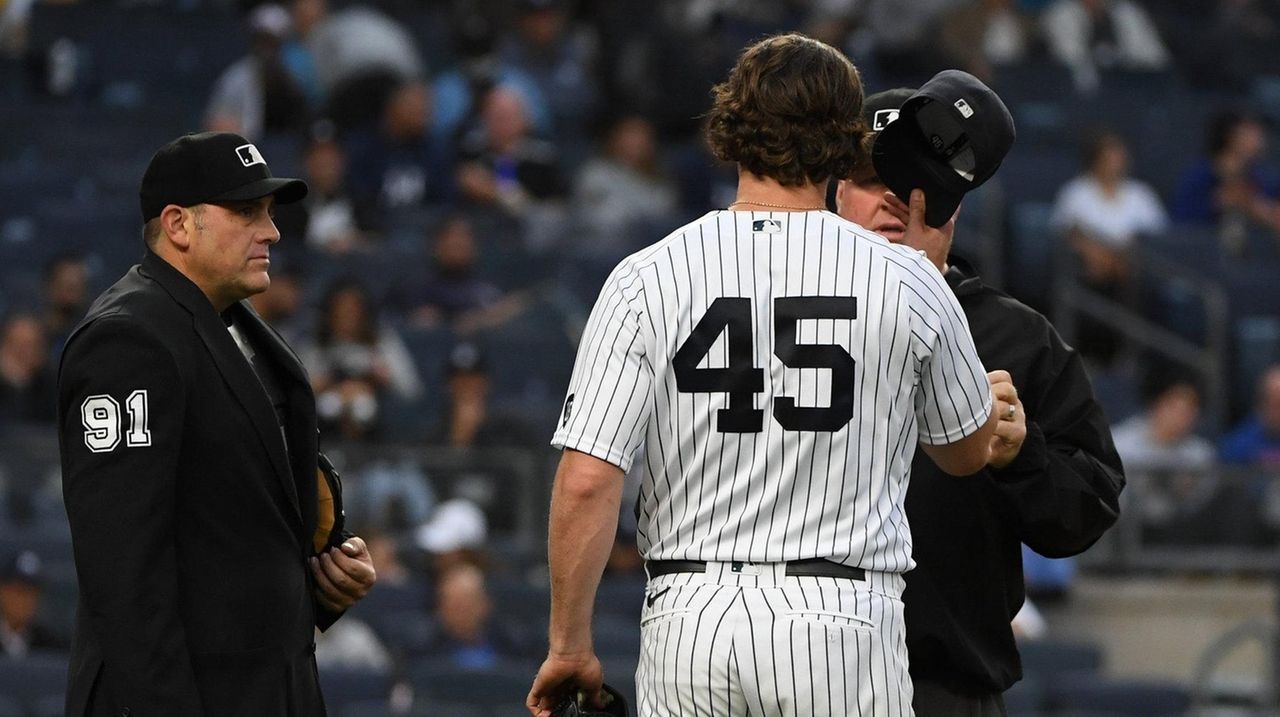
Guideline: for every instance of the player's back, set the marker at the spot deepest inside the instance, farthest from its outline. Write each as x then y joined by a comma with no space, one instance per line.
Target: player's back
773,365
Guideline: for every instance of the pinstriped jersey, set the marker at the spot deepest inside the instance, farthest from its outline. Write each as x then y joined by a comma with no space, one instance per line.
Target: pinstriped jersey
774,372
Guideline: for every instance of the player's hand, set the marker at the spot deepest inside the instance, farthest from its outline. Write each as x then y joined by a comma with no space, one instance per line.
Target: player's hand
343,575
934,242
561,677
1011,430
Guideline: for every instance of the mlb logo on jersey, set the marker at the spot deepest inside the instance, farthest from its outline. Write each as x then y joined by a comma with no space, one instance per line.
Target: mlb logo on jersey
768,226
249,155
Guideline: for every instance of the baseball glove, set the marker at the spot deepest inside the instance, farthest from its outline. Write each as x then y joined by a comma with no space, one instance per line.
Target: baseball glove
614,706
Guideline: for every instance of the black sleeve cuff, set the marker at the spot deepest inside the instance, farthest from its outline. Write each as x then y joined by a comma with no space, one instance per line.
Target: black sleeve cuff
1032,458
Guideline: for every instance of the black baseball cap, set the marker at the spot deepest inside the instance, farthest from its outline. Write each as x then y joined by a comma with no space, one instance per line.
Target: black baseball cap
211,167
948,138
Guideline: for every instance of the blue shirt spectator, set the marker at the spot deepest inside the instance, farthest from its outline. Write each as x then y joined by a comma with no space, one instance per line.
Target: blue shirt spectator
1256,441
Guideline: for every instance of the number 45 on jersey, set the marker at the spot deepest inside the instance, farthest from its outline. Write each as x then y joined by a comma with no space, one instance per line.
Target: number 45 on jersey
741,380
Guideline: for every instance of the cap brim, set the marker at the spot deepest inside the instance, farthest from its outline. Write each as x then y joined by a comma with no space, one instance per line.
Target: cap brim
285,190
904,163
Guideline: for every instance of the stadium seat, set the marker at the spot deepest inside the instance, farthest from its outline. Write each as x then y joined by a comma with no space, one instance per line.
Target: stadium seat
38,676
431,708
51,706
1123,698
1051,661
617,635
342,685
1025,698
621,595
507,683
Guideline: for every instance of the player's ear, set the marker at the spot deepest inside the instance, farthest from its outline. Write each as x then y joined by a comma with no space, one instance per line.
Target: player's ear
176,225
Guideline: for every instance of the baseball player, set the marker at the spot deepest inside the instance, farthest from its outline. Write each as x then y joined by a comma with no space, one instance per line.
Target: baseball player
1053,480
779,366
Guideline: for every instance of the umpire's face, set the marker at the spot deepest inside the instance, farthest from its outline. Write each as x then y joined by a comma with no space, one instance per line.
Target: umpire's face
861,200
229,254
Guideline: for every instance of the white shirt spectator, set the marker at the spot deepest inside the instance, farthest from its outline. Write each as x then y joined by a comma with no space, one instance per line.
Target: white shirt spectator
1114,220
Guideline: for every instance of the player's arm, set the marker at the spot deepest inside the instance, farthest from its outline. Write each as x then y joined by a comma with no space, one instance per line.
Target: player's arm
601,427
1066,478
955,406
585,501
967,455
120,415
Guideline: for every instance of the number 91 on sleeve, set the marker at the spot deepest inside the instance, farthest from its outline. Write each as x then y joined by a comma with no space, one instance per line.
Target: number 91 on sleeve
100,415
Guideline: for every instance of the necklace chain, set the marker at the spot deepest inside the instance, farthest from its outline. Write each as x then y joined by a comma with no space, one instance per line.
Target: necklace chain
775,206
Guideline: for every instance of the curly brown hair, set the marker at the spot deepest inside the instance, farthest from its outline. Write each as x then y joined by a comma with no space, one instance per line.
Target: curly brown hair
791,111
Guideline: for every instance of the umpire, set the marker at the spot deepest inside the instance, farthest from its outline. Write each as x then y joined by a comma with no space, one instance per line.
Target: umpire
187,426
1054,479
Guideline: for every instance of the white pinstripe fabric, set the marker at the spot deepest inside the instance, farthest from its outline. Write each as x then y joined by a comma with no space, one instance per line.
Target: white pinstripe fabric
776,494
715,644
738,644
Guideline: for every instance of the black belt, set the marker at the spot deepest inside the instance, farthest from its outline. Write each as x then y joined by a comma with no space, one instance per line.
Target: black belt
811,568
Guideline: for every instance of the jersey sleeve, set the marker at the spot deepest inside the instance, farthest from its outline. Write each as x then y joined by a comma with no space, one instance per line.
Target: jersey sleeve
121,407
608,400
954,396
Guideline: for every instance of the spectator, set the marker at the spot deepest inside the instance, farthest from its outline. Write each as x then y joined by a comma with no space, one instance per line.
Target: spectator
622,186
355,39
1092,36
257,95
1101,214
470,420
479,69
561,61
330,219
351,644
26,379
454,535
395,163
1232,186
467,636
15,16
981,36
1256,441
1169,465
453,292
21,586
66,296
501,165
281,306
1223,48
1103,211
355,363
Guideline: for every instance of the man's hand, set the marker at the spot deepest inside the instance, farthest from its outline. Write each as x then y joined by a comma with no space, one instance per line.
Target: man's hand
1011,431
935,243
561,677
343,575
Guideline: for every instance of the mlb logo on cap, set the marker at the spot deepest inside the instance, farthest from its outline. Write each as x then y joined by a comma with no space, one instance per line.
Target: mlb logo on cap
883,118
249,155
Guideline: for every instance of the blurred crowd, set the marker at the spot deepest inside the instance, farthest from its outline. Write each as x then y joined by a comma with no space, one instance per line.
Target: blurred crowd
477,167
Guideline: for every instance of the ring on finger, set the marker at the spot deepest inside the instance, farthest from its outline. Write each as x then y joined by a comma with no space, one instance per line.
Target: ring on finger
1008,414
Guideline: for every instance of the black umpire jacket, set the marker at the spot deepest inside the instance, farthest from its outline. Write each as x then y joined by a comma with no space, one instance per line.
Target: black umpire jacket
1058,496
191,520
